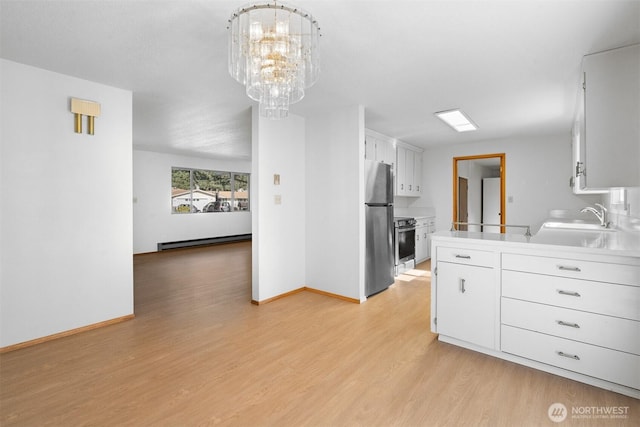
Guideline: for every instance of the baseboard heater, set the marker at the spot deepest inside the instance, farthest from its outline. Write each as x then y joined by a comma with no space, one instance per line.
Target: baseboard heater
202,242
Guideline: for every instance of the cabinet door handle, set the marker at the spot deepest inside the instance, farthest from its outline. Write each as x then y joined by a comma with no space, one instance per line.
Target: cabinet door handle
568,268
569,293
462,289
570,356
463,256
563,323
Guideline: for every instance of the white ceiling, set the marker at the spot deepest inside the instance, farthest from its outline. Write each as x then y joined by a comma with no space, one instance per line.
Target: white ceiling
512,66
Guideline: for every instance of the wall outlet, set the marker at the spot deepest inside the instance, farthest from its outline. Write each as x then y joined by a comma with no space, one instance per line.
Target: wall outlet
277,199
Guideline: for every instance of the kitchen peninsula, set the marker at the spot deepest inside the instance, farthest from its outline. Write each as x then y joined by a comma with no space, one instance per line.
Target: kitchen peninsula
563,301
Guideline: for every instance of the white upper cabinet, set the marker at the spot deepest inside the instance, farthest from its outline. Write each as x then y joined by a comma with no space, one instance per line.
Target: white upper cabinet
370,147
417,174
409,167
379,148
405,160
409,171
608,121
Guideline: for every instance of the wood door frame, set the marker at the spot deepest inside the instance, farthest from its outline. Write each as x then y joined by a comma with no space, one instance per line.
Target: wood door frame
503,173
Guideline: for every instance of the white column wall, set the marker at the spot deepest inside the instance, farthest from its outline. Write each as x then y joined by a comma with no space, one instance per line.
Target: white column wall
153,221
335,202
278,246
66,212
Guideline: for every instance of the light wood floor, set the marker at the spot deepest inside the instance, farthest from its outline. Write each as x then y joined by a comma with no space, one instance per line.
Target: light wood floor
198,353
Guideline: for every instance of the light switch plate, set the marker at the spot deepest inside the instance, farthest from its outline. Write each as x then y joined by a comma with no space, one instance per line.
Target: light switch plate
277,199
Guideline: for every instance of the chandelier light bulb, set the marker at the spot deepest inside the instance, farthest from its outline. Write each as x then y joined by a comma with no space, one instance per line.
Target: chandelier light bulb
273,52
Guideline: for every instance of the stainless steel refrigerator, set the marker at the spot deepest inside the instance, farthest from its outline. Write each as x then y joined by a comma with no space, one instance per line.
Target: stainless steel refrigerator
379,227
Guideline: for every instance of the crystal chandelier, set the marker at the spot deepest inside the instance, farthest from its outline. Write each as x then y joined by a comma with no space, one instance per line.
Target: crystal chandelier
273,51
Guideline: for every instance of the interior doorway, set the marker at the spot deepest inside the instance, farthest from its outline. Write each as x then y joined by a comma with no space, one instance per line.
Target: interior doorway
473,176
463,197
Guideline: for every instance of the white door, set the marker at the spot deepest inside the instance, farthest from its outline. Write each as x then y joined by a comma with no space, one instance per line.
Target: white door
491,204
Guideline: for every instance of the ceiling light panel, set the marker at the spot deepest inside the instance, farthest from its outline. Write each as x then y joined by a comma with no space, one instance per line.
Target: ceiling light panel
457,120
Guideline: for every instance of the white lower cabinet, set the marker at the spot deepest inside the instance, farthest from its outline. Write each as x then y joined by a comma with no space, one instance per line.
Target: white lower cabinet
467,294
563,313
605,331
586,295
575,268
466,303
573,315
466,256
598,362
422,248
424,228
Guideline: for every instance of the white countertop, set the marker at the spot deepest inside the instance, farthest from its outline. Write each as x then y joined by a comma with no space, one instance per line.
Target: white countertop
618,243
414,212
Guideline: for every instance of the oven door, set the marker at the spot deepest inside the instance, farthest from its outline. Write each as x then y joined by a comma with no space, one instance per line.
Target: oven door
405,244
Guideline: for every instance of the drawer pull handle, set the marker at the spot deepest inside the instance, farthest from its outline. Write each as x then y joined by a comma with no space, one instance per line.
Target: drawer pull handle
570,356
463,256
573,325
568,268
571,294
462,289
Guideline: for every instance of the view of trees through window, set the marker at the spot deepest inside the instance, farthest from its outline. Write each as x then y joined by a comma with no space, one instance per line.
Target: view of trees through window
198,190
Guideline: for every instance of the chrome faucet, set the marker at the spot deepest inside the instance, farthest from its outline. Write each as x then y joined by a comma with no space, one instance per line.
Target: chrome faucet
600,214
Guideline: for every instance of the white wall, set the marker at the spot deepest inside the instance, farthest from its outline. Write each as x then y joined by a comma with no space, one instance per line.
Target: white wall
620,215
537,178
153,221
64,263
335,202
315,237
278,247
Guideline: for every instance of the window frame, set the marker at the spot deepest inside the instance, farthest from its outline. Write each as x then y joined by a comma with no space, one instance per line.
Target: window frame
235,204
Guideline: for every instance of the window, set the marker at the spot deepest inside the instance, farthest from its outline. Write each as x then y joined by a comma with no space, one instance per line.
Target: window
201,191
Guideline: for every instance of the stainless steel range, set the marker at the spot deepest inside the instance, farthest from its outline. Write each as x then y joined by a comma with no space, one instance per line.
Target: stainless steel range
404,242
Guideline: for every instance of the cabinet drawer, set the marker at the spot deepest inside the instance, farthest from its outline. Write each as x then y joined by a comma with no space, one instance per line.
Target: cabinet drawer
595,297
604,331
467,256
610,365
466,303
578,269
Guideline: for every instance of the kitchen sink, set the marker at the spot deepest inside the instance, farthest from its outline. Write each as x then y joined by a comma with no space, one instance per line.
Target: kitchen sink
574,224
